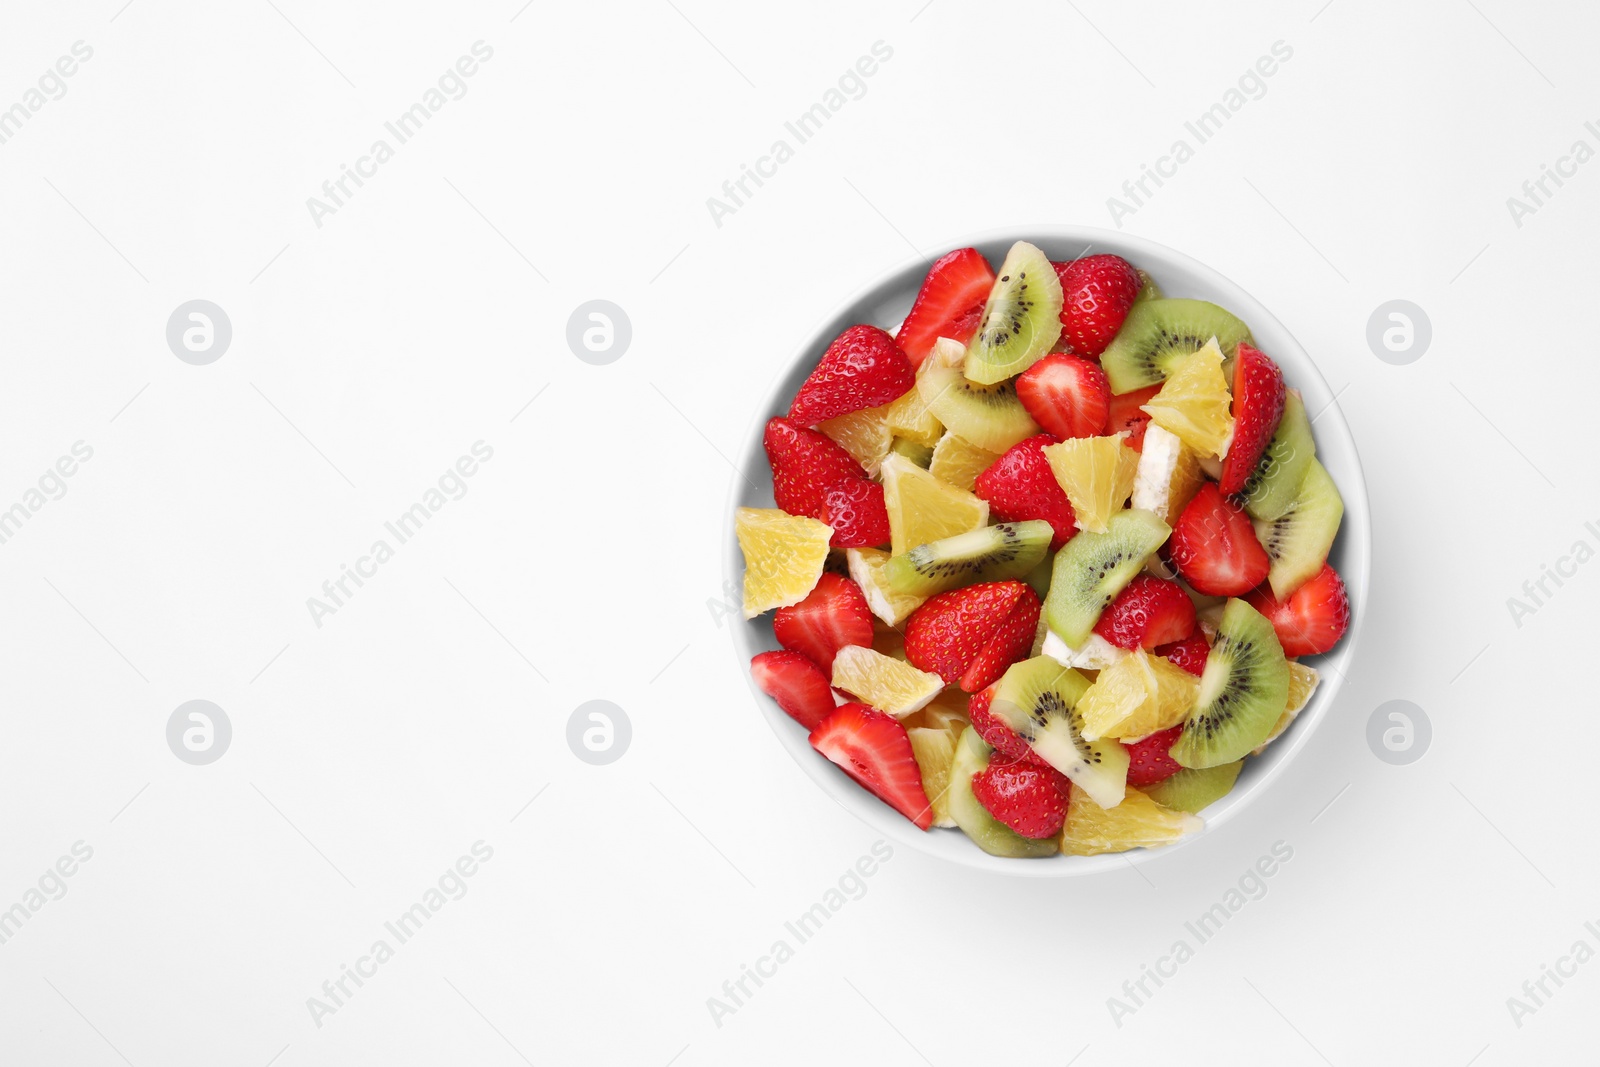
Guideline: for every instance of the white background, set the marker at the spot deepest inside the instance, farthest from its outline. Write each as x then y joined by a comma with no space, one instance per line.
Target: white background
368,354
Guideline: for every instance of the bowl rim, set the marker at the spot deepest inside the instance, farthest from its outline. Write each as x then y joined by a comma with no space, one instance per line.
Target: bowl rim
1354,545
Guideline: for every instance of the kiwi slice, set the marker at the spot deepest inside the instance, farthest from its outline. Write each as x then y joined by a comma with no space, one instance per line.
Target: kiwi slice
990,554
1091,569
1148,289
919,454
1038,699
1297,542
1244,689
1039,577
1021,320
1271,487
1193,790
989,416
987,832
1158,334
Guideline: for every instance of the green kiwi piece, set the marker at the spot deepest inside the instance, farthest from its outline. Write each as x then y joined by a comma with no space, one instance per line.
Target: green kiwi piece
1297,542
1091,569
1272,486
1158,334
921,455
1038,699
1004,550
1243,691
1039,578
1021,320
1148,289
987,832
989,416
1194,790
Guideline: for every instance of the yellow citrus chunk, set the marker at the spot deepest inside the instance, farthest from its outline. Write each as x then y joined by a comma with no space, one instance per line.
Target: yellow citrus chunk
865,434
1138,822
1168,476
867,569
891,685
1097,475
1136,696
783,557
910,418
1303,681
923,509
1193,403
958,462
935,751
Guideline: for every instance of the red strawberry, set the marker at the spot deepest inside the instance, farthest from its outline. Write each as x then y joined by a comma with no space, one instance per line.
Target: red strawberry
1000,737
797,684
954,631
1190,653
1010,643
1097,292
1125,415
1030,799
949,304
1149,611
805,465
873,749
856,511
1214,546
832,615
863,368
1020,486
1067,395
1258,397
1149,761
1313,618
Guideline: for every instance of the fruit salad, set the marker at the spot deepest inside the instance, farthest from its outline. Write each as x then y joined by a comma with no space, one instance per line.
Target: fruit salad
1047,559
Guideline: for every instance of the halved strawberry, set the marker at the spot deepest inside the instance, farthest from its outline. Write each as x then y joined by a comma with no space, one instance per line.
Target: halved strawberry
862,368
1214,546
856,511
1150,761
1010,643
1028,797
1002,738
1066,395
832,615
805,465
797,684
1313,619
954,630
1149,611
1124,414
949,304
1096,293
1190,653
1020,486
873,749
1258,397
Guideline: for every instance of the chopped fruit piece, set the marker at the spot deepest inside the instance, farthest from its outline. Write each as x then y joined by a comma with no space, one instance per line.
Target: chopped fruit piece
1297,542
1193,403
989,416
1160,334
873,749
1137,822
797,684
1148,289
1021,319
855,509
1096,653
921,455
832,615
1214,546
1258,397
1168,476
1270,489
949,304
783,557
869,567
1097,475
935,751
1303,682
1028,798
865,434
1038,699
1190,654
1010,643
1067,395
862,368
1096,293
1242,693
997,734
805,465
1150,759
910,419
972,626
890,685
1136,697
990,554
956,461
1148,612
924,509
987,832
1127,415
1313,619
1194,791
1093,568
1020,485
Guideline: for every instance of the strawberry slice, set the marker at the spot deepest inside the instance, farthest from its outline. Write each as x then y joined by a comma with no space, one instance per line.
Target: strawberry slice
1313,619
1214,546
832,615
856,511
805,465
1012,641
863,368
873,749
1258,398
1000,737
1020,486
953,631
949,304
1096,293
796,683
1190,653
1067,395
1028,797
1149,611
1150,761
1124,414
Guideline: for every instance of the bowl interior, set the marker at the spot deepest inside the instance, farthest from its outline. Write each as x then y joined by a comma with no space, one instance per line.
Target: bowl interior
886,304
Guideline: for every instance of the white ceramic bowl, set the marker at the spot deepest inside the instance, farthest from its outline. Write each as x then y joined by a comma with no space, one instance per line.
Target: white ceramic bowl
886,303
